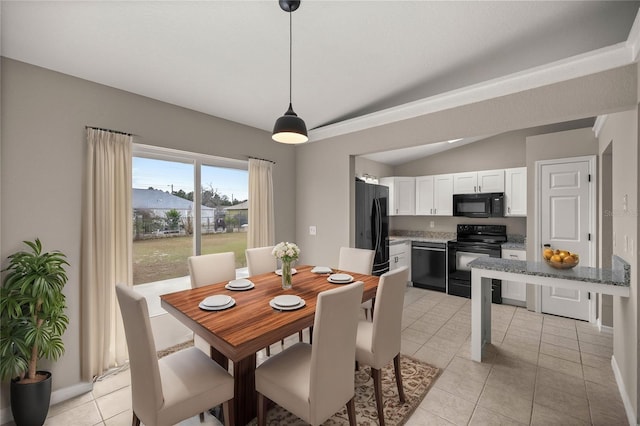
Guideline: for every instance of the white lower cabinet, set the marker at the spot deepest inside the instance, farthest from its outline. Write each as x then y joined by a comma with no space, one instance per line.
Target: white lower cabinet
513,292
400,255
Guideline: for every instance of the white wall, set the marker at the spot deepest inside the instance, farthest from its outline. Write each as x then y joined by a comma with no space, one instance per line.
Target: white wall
621,131
44,115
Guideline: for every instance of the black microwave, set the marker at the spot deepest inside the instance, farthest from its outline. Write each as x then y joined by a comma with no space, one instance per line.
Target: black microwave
490,204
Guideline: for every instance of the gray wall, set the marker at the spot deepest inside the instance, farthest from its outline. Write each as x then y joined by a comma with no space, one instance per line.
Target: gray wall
44,114
621,130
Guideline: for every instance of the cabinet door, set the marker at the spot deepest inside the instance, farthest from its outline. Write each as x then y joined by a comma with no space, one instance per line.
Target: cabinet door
514,290
491,181
405,195
515,191
424,195
443,195
465,183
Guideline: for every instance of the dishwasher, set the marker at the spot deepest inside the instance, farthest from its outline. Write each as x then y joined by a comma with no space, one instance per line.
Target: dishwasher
429,265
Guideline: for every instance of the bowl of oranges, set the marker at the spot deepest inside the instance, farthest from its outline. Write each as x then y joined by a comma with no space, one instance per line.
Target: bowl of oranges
560,259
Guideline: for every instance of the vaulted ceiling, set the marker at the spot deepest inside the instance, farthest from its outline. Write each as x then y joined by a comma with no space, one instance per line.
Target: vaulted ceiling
351,59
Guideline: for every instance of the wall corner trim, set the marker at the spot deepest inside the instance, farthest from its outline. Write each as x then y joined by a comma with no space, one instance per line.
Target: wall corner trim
628,407
599,124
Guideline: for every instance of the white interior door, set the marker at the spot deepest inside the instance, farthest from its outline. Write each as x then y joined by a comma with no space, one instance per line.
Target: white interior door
566,218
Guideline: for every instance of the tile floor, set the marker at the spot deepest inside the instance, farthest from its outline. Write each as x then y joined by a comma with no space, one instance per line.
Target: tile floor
540,370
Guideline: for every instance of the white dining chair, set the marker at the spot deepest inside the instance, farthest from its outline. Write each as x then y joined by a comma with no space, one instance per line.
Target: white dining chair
174,388
210,269
360,261
259,261
378,341
315,381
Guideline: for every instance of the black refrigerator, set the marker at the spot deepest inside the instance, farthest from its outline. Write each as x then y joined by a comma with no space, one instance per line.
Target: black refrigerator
372,223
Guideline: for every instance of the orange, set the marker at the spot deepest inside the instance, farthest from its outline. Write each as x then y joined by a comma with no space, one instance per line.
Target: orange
556,258
547,253
570,260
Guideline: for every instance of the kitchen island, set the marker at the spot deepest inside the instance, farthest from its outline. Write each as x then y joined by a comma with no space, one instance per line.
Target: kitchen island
614,281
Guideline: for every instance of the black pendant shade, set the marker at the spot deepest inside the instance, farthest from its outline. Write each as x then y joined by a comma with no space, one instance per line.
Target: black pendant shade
290,128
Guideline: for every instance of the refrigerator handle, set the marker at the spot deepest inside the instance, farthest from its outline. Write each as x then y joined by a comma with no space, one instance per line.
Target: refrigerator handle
378,224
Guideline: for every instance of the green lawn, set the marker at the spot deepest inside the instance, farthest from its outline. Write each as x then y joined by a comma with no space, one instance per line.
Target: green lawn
164,258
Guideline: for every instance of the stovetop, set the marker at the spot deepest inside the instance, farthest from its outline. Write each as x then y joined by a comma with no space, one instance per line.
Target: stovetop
484,234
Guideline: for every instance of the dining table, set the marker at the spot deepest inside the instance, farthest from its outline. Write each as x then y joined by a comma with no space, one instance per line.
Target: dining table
238,332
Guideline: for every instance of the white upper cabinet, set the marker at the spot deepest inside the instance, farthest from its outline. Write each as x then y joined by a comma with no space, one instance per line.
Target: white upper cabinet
434,195
402,195
475,182
515,191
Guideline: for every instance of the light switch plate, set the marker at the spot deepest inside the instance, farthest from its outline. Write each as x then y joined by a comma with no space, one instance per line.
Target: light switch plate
312,230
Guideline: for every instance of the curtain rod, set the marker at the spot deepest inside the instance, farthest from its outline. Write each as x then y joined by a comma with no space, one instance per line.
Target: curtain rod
263,159
109,130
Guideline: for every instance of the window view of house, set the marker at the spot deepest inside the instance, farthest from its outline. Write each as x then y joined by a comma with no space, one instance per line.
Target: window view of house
165,220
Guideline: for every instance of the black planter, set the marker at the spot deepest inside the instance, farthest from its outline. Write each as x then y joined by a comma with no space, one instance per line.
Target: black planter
30,402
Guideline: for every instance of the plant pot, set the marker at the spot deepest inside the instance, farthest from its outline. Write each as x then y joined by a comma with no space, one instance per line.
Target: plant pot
30,401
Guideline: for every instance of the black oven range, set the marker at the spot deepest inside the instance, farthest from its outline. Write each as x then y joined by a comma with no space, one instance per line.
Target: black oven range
473,241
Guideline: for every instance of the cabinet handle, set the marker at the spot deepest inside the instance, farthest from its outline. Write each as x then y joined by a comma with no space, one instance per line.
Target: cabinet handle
430,211
514,255
435,211
479,189
474,189
509,209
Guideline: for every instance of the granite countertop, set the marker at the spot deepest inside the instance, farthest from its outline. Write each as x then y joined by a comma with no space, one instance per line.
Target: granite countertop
618,275
512,245
401,239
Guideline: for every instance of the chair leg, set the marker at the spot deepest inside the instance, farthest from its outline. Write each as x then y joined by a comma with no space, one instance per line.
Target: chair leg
396,367
227,413
300,336
311,335
263,402
268,350
201,417
351,411
377,386
135,421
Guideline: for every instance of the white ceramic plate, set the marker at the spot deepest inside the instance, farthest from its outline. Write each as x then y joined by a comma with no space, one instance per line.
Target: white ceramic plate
286,300
279,271
216,300
342,278
218,308
249,287
239,284
338,282
287,308
322,270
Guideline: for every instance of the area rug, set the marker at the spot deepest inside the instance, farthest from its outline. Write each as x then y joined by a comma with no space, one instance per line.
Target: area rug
417,378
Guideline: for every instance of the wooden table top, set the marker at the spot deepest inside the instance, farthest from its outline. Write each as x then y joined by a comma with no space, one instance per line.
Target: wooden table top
252,324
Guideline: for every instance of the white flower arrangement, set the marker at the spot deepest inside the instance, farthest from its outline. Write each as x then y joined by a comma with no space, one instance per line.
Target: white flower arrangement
285,251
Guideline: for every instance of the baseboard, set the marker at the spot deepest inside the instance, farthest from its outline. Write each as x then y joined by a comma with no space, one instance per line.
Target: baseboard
628,408
57,396
604,328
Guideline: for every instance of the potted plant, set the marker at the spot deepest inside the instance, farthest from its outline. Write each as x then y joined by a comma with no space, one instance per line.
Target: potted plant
32,314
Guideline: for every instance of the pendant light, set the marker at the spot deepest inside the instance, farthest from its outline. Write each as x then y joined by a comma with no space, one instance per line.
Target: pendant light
290,128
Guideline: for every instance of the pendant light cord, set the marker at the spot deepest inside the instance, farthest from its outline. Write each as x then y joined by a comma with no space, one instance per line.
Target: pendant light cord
290,56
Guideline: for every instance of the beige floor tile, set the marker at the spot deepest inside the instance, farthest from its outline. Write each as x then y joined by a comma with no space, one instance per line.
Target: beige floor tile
530,335
560,321
469,369
603,375
452,334
484,417
122,419
425,326
561,365
560,341
112,382
114,403
563,402
422,417
585,327
517,383
408,347
450,407
564,382
54,410
86,414
604,401
434,356
596,339
599,350
545,416
595,361
560,352
506,403
460,386
444,344
569,333
507,350
416,336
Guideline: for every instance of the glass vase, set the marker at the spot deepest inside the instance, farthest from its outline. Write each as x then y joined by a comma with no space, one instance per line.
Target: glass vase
287,278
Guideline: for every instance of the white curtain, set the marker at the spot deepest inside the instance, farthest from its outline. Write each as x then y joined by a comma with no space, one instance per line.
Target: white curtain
106,249
261,207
